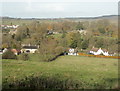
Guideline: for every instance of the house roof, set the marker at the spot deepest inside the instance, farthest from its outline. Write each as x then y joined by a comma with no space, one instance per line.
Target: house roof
94,49
30,47
15,50
105,50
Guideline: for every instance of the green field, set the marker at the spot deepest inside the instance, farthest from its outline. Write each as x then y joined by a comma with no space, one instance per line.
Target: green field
74,71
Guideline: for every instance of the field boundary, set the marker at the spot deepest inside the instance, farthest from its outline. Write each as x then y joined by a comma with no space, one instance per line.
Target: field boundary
98,56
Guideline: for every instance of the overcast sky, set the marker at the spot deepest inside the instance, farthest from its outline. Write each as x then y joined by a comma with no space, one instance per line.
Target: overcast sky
61,8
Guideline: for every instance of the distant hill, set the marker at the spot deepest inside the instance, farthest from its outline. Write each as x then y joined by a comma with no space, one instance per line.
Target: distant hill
111,18
104,17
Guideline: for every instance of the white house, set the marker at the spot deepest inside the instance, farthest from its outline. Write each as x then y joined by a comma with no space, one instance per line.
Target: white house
99,51
82,32
72,52
29,49
4,50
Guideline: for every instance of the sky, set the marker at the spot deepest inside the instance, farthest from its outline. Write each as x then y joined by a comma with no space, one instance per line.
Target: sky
58,8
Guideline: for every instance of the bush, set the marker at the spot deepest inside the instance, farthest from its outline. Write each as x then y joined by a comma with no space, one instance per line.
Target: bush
59,50
9,55
24,56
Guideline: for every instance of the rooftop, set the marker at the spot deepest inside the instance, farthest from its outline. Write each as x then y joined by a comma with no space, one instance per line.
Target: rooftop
30,47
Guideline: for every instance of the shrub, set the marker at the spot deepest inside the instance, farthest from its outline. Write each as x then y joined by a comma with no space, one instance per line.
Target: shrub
59,50
24,56
9,55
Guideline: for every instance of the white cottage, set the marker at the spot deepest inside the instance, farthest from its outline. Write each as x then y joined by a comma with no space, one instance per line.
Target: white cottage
72,52
29,49
4,50
99,51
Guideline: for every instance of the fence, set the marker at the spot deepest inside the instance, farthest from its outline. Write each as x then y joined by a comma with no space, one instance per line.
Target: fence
99,56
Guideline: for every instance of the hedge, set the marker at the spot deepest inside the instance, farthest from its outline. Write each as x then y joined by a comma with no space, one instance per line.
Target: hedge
99,56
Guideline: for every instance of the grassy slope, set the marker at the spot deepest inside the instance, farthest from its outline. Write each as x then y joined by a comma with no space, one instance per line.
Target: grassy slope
85,69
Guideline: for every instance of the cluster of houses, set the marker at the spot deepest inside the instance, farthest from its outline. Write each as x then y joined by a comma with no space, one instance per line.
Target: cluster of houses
100,51
71,51
24,49
93,51
9,26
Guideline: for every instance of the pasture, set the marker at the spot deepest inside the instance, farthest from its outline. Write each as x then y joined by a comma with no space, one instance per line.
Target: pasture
66,72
